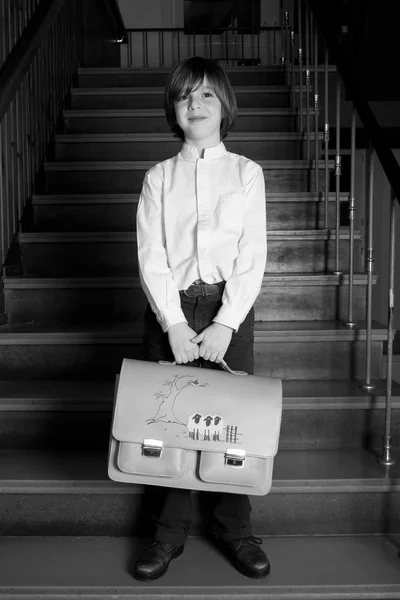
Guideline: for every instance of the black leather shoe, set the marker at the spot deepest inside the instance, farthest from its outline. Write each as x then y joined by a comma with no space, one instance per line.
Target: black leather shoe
246,556
155,560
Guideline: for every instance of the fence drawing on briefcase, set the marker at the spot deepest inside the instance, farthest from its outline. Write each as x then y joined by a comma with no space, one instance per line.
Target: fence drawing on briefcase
200,427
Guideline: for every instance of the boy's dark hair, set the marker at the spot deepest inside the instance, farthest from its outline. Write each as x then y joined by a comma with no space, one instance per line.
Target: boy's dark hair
188,76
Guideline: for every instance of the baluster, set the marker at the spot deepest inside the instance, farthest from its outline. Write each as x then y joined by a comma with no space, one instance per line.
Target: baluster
370,261
161,48
258,46
3,194
338,171
292,40
326,140
308,83
179,48
226,48
194,43
145,50
350,322
386,458
130,48
287,42
300,65
316,108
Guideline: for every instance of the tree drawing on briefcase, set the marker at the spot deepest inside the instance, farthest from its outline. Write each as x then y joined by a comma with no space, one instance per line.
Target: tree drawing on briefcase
200,427
165,412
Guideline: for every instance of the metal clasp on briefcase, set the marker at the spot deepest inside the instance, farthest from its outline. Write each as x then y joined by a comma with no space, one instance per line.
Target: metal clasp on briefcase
234,457
152,448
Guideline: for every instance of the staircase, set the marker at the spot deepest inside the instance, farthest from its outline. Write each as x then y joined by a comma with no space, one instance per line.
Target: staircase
75,308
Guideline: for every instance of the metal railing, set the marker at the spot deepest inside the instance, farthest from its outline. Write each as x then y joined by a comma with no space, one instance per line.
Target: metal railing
40,61
303,44
14,17
230,46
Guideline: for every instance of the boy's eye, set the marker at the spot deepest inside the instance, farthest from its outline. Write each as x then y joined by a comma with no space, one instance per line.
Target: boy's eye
207,94
182,97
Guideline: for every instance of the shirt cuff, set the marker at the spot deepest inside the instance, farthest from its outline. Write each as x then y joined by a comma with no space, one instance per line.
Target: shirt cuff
228,317
171,316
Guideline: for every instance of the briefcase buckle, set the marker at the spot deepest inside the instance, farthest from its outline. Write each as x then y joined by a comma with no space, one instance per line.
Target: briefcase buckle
234,457
152,448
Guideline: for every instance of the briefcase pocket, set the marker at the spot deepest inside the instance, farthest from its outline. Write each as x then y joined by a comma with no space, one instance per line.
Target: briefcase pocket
213,468
171,463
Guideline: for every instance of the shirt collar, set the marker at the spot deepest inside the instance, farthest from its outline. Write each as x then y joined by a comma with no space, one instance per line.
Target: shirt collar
191,153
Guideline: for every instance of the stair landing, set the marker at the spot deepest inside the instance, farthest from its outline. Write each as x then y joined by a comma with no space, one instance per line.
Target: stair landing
348,568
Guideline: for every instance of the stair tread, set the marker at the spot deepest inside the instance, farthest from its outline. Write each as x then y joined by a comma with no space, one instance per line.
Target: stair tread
295,471
60,395
126,91
163,137
128,236
159,112
126,333
129,165
133,198
325,566
167,70
112,282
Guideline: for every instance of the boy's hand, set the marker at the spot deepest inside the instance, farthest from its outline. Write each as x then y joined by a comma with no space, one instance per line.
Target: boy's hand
180,338
214,341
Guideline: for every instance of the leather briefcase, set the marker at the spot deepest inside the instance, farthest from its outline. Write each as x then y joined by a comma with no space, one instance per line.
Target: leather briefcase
194,428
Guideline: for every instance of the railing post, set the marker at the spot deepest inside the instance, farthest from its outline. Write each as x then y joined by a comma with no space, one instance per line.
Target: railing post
326,141
386,458
292,39
350,322
370,262
300,65
145,50
316,107
338,172
161,48
308,82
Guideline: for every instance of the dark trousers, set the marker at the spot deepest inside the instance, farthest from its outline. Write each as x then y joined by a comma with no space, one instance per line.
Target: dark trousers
231,511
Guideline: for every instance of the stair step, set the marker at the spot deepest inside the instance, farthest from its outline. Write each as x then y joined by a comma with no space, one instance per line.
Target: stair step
76,415
130,77
153,97
283,297
127,176
69,493
153,120
131,146
117,212
114,253
363,567
288,350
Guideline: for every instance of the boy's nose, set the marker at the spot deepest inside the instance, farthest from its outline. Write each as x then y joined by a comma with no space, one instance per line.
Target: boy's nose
194,103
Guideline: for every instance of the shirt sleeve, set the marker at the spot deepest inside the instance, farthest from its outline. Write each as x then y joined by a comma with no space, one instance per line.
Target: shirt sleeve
243,287
154,271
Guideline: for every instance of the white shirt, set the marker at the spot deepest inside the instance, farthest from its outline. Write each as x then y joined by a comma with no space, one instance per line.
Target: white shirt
202,218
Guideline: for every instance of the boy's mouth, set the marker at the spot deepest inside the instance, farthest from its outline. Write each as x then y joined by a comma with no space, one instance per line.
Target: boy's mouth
196,119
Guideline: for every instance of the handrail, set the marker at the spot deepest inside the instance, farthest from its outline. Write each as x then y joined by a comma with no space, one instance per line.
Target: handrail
113,10
35,79
376,134
20,58
379,147
204,31
251,45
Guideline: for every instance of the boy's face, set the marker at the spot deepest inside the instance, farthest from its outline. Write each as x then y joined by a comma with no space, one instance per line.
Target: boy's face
199,116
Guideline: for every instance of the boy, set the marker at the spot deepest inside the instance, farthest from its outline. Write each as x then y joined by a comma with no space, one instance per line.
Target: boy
201,232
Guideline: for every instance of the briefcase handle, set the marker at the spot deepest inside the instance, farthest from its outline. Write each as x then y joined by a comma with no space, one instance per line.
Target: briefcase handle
223,364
